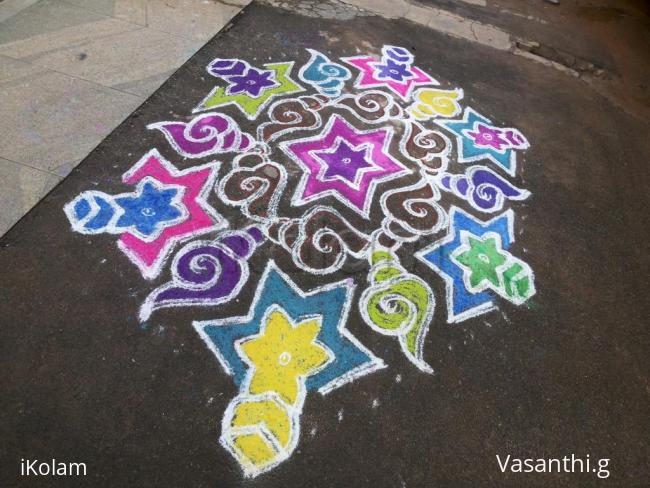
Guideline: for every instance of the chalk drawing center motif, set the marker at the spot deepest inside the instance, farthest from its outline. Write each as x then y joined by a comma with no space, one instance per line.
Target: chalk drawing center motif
352,182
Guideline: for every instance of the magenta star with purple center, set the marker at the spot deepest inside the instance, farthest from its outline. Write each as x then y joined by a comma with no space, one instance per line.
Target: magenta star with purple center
345,163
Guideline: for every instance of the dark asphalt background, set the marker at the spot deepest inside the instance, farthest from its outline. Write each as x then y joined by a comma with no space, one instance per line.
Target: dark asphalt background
81,380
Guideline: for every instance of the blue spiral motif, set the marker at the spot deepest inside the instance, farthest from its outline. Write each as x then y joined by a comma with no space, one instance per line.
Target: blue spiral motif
324,75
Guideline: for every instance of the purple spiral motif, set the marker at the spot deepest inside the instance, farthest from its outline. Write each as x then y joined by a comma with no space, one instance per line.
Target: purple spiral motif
206,272
487,188
206,134
482,188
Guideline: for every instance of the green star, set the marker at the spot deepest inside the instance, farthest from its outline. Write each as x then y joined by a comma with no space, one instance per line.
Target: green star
482,260
251,106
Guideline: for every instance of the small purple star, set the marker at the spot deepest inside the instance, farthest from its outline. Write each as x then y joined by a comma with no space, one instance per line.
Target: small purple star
344,161
394,71
488,136
252,83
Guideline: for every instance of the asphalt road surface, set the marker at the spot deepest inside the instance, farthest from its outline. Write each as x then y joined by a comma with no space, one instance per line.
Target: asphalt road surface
379,263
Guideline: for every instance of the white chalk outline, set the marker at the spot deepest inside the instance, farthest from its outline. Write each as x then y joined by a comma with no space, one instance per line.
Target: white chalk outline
409,90
229,433
356,97
412,108
359,174
487,285
269,66
469,173
293,410
302,237
272,120
111,226
149,305
417,233
417,358
244,204
444,155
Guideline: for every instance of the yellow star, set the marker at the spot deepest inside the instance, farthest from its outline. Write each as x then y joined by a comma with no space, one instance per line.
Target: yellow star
284,355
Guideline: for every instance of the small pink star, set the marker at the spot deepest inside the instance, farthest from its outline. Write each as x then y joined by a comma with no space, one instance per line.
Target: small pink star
370,72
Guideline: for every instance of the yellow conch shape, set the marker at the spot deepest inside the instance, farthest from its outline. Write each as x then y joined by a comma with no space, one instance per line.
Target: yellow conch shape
261,425
431,102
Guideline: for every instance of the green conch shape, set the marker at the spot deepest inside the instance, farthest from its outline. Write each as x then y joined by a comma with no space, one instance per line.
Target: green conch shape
398,303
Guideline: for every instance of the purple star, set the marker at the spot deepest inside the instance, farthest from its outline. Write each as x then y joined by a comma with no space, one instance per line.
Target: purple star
488,136
344,161
252,83
394,71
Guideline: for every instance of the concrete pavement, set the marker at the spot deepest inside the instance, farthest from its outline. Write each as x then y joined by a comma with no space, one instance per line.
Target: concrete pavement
383,273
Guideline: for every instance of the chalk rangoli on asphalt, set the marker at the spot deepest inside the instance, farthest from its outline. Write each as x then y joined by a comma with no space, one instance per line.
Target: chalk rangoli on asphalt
346,169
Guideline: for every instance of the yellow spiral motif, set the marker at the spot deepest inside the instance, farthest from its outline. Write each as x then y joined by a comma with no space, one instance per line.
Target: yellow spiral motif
430,103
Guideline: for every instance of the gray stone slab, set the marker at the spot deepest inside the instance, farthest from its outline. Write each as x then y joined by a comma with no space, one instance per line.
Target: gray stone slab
14,69
50,119
38,45
21,188
42,17
121,58
194,19
130,10
9,8
146,86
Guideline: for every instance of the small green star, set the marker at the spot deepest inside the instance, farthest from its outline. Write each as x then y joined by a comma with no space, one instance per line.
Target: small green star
252,106
482,259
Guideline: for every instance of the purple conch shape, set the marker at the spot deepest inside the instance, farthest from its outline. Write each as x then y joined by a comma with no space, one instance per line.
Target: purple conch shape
206,134
483,188
206,272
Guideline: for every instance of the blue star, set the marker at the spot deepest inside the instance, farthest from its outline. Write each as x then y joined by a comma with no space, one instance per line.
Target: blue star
469,151
150,209
461,303
330,302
